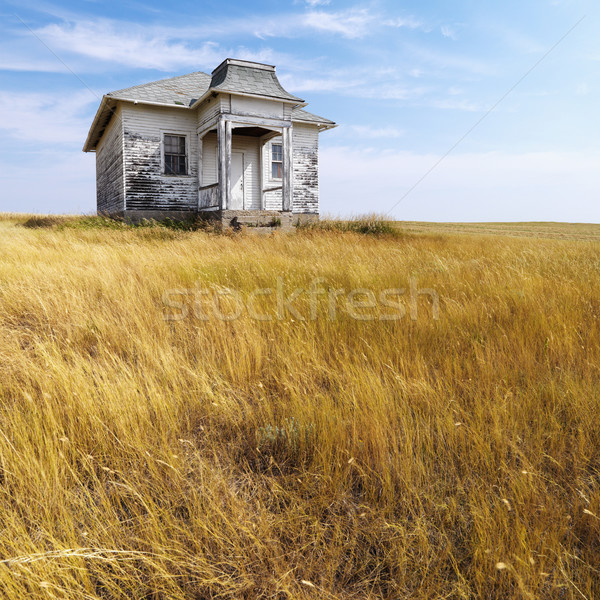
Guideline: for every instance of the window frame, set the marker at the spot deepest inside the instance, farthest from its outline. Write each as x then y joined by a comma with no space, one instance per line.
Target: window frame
163,154
272,160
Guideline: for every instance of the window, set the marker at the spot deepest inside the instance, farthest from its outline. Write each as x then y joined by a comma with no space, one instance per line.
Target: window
175,155
276,161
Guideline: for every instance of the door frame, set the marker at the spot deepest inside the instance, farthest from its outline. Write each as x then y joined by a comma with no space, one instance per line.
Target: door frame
243,154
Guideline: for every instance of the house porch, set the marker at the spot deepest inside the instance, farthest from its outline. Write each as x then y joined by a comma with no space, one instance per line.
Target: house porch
238,171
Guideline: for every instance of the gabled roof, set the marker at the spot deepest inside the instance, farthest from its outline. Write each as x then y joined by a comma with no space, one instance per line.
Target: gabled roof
183,90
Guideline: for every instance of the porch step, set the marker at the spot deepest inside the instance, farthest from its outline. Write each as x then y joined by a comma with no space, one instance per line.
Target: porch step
263,221
258,221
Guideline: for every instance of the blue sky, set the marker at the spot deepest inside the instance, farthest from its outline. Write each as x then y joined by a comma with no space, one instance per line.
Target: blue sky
405,80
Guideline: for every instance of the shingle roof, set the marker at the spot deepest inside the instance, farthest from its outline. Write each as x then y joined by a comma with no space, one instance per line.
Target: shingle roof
249,78
232,76
306,117
184,89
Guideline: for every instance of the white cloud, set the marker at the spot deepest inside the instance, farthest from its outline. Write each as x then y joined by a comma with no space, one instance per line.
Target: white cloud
131,46
449,32
497,186
351,23
452,104
313,3
357,83
43,118
369,132
169,48
446,60
407,22
517,40
60,182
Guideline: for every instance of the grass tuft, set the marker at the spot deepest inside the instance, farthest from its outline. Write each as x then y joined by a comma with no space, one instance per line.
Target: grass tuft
375,225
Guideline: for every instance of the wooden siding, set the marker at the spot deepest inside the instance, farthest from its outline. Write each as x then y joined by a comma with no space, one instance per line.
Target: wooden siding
208,110
256,107
209,159
110,197
306,169
209,196
146,186
273,200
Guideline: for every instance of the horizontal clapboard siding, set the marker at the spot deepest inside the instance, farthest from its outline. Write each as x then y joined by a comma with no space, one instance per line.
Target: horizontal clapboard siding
208,110
110,195
146,186
241,105
273,200
209,159
306,168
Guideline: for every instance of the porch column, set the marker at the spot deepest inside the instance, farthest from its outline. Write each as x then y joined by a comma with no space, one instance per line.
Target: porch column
287,191
224,167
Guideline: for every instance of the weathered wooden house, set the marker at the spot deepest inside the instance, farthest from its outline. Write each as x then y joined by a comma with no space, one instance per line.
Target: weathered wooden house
233,146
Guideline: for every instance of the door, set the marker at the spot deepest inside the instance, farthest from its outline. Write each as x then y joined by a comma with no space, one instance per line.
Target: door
237,181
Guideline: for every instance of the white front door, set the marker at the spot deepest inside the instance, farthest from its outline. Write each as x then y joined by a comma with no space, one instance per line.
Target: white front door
237,181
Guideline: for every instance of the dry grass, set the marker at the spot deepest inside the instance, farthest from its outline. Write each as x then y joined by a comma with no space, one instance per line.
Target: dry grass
149,459
565,231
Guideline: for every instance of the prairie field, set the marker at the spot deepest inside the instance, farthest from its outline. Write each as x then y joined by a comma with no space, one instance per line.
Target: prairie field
325,414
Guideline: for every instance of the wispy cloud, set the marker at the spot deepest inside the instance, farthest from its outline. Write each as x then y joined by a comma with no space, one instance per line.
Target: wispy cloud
351,23
358,83
510,183
454,104
131,46
409,22
583,89
449,32
456,62
50,182
374,133
170,48
516,39
47,118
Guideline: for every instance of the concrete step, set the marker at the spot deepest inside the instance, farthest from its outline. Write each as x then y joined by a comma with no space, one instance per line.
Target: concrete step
263,221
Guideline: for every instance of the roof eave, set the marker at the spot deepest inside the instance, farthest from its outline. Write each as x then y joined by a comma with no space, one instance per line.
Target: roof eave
322,125
88,146
151,102
326,126
92,139
298,103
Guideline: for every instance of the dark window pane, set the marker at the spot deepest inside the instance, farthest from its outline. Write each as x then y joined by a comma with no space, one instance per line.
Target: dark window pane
174,151
277,152
276,174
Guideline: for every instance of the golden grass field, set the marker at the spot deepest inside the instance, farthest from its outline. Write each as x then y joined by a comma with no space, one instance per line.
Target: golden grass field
156,459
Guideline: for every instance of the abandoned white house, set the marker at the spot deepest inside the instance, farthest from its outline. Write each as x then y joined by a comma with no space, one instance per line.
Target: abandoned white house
229,145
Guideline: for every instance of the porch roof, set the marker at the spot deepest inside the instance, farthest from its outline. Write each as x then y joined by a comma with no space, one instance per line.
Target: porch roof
303,116
240,76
